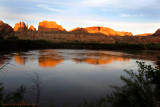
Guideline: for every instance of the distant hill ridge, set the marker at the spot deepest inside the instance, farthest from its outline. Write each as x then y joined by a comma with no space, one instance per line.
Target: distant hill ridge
49,26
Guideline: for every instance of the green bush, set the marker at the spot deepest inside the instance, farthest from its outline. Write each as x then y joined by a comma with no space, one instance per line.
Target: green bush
12,43
140,89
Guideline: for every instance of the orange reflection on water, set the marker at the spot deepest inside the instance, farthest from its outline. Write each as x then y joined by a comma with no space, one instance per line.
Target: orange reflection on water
49,62
19,59
102,60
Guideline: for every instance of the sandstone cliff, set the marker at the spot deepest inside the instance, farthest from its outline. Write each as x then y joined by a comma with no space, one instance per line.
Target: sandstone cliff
102,30
49,26
5,28
32,28
20,27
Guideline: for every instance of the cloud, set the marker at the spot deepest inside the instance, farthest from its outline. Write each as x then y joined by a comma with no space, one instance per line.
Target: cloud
117,14
131,15
70,22
49,8
132,4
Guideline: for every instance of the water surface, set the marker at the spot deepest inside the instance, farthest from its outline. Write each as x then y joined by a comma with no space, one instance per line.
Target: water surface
69,76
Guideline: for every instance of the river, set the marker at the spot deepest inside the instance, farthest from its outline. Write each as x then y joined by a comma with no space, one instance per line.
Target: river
70,76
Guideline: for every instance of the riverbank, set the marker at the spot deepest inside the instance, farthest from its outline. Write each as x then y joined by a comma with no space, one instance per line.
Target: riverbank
15,44
63,36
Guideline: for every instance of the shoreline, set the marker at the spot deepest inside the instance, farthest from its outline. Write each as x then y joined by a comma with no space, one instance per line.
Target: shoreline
15,44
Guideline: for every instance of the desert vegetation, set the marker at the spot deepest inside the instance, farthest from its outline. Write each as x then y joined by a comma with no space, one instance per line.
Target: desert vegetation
140,89
15,44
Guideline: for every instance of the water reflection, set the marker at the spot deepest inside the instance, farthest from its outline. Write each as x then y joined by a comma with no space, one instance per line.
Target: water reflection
20,59
49,61
4,59
77,74
52,58
100,60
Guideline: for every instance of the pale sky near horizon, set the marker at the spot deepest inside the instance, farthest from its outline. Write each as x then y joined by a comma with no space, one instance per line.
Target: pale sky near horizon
136,16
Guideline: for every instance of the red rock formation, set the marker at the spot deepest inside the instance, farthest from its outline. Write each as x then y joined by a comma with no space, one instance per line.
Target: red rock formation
49,26
157,33
127,34
32,28
5,28
79,30
103,30
145,34
20,26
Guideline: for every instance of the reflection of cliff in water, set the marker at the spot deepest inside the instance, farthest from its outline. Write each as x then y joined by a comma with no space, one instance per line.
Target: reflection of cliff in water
49,58
48,61
45,58
147,55
100,58
20,59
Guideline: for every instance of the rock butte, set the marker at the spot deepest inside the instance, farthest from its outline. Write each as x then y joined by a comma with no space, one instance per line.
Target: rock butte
32,28
50,26
53,26
20,27
99,29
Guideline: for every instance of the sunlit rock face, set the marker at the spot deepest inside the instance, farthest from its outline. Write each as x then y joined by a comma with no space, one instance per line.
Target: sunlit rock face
32,28
102,30
123,33
20,27
5,28
157,33
50,26
145,34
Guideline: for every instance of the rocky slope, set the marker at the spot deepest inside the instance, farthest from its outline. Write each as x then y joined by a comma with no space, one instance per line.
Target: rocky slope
86,37
5,28
49,26
157,33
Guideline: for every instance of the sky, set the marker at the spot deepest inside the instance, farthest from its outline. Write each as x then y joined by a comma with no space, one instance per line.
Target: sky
136,16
